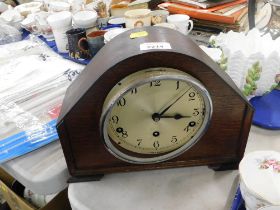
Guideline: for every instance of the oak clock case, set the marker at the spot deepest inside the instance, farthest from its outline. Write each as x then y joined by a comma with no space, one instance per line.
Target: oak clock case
151,109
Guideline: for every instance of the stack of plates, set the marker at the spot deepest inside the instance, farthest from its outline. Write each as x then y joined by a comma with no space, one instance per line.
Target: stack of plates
260,179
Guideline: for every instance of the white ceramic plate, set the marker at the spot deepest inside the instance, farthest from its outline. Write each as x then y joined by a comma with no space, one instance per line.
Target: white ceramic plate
109,35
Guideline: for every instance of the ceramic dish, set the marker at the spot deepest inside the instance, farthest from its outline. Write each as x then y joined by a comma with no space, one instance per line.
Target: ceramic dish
260,179
109,35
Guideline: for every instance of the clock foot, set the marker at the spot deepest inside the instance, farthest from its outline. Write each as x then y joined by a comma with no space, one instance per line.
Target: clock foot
96,177
224,166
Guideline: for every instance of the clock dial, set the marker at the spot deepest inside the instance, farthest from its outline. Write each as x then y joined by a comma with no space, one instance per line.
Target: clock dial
157,116
154,115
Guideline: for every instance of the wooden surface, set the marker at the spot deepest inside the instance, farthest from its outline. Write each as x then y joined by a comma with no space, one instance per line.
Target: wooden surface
78,127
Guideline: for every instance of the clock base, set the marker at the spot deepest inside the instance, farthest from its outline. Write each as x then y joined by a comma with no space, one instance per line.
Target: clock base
96,177
224,166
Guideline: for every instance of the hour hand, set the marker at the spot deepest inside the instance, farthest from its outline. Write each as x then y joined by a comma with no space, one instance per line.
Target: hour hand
156,117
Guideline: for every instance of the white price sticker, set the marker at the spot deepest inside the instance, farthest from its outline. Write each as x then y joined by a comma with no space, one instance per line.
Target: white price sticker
155,46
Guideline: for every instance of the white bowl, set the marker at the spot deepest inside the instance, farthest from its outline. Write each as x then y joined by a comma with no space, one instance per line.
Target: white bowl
117,21
260,179
85,19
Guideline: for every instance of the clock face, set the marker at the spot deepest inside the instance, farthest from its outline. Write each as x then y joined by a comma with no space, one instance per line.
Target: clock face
155,114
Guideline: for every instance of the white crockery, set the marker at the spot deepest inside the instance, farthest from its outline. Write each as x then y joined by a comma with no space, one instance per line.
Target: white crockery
3,7
85,19
241,53
12,18
77,5
109,35
60,23
28,8
159,16
41,26
260,179
166,25
60,19
11,15
117,21
182,22
137,18
58,6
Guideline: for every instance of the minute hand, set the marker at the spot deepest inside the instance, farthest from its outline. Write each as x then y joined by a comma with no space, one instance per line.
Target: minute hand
172,102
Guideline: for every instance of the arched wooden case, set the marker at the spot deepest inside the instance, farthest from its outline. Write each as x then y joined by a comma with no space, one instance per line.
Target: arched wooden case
222,145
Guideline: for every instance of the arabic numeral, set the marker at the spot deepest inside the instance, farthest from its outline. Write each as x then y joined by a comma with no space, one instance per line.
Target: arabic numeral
195,112
121,102
134,91
120,130
192,96
155,83
178,85
156,144
115,119
139,141
174,139
124,134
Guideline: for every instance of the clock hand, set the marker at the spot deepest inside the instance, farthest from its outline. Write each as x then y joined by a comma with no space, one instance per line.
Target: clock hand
172,102
156,117
176,116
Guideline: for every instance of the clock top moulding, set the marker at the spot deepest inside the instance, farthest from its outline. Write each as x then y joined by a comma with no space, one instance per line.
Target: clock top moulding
223,144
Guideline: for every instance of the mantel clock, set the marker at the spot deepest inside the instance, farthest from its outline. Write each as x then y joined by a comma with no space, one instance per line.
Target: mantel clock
150,99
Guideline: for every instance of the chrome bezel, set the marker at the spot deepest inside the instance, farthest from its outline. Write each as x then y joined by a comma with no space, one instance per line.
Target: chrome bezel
141,80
